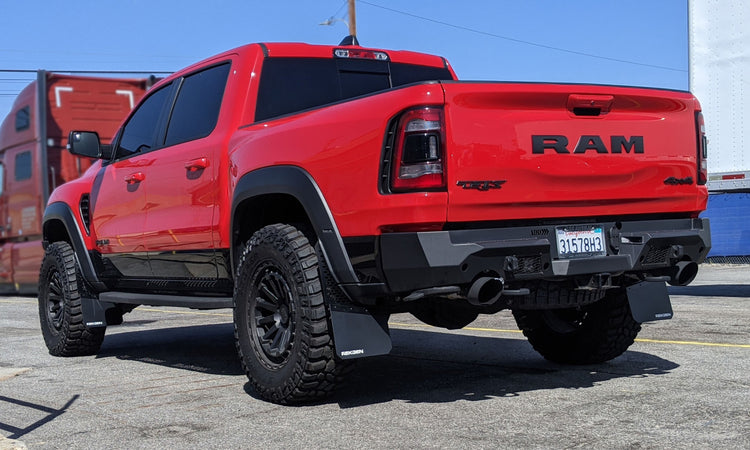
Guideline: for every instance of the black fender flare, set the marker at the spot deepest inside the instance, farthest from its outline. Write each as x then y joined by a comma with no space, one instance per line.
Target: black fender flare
298,183
62,212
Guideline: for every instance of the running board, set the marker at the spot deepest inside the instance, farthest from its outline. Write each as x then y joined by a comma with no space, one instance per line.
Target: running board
166,300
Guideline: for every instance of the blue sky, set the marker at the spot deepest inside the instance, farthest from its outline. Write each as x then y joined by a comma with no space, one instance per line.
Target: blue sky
636,42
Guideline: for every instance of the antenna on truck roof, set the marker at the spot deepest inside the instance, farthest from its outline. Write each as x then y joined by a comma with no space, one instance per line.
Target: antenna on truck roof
350,40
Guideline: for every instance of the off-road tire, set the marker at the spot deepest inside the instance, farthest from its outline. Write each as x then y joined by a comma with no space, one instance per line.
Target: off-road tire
589,335
60,310
281,324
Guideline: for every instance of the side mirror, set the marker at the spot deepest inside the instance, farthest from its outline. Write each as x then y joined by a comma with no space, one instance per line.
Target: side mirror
86,143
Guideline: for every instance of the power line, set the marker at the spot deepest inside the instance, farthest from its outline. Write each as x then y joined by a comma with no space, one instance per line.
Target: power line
521,41
340,8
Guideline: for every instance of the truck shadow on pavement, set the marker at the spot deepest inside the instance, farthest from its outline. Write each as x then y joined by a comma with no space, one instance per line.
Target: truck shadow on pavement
433,367
425,366
200,348
712,290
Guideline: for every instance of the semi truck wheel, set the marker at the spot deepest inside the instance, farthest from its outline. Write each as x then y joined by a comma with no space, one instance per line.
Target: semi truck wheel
281,325
60,313
592,334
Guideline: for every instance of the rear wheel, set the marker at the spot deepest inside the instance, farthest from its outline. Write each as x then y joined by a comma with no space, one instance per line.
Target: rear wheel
282,332
592,334
60,310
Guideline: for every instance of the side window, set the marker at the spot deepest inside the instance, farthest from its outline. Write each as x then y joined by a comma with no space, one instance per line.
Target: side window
293,84
197,107
23,118
23,166
140,133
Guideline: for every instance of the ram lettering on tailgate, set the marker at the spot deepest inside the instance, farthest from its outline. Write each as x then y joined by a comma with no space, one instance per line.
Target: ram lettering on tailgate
618,144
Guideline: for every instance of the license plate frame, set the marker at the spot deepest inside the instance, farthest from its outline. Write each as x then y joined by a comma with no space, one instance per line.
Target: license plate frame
580,241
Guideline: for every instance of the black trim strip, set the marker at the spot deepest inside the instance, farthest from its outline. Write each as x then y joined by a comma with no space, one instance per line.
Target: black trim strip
166,300
41,117
264,48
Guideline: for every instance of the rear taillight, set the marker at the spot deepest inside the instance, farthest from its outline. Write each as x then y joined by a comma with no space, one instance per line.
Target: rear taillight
702,146
419,152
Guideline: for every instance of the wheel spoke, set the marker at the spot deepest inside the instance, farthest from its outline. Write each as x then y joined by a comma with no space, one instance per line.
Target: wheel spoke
276,344
271,331
264,305
265,290
278,286
284,339
267,320
55,287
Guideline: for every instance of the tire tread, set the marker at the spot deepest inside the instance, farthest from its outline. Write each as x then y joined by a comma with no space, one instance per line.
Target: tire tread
316,373
74,338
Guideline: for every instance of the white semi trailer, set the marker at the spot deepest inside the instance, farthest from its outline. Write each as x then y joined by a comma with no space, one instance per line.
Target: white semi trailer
719,45
719,49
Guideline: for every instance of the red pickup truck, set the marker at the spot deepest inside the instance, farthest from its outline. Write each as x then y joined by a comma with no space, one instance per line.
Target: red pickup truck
318,189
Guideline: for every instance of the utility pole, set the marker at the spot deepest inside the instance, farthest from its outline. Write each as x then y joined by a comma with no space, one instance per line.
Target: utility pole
352,20
352,24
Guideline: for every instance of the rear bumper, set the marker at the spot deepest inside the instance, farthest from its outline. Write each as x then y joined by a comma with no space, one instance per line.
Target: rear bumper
412,261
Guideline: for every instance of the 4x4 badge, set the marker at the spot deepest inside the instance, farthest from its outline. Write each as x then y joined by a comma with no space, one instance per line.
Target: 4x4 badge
481,185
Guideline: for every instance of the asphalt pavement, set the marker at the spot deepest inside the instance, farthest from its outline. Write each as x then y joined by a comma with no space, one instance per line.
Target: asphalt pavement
169,378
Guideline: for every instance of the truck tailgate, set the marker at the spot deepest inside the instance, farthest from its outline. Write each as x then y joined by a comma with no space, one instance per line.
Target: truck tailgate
522,151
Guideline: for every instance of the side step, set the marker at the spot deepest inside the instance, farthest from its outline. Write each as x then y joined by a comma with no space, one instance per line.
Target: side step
166,300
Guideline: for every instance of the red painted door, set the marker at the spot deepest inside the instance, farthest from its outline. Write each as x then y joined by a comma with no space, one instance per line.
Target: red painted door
118,198
182,187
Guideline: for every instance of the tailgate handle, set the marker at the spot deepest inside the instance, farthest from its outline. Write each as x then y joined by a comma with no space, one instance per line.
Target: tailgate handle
590,105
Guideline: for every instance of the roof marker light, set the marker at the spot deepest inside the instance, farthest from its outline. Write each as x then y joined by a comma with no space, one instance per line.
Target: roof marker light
360,54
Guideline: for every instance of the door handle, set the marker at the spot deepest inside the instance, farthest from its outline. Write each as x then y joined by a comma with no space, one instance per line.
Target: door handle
135,178
196,164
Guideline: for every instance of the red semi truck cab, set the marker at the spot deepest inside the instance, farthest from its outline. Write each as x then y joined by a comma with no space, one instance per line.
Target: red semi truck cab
33,159
316,190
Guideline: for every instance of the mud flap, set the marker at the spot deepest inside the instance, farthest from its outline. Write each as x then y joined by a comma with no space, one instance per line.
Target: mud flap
357,333
95,313
649,301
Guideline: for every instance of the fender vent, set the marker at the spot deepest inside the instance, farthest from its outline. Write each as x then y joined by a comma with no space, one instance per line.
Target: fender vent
84,207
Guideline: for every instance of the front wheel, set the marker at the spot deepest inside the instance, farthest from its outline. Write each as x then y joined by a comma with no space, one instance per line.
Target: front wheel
282,332
60,310
589,335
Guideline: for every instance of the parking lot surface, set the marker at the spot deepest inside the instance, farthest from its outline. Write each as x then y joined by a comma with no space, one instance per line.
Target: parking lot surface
170,378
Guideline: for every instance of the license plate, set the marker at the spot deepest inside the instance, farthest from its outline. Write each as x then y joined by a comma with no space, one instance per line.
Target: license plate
580,241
